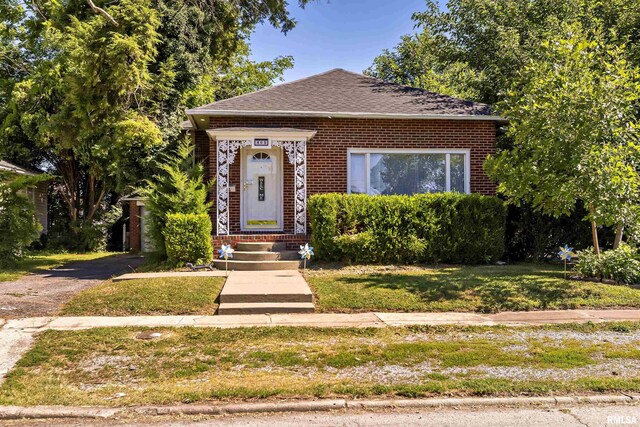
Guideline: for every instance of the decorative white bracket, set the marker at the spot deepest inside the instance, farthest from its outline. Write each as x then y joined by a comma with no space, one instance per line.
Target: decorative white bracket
297,154
227,151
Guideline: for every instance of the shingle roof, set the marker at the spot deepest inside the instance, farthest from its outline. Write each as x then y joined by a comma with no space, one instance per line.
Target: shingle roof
342,93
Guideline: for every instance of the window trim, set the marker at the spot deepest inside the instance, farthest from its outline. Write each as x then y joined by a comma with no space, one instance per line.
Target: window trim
446,151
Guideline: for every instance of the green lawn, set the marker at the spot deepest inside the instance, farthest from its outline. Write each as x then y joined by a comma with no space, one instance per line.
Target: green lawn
44,261
461,288
193,295
93,367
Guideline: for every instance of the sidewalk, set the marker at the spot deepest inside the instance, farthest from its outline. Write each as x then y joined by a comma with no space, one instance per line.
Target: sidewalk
16,335
356,320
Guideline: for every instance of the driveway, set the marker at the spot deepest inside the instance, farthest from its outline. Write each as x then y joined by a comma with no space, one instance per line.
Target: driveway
43,294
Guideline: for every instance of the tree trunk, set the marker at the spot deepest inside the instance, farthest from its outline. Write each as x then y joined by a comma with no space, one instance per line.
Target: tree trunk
618,240
594,231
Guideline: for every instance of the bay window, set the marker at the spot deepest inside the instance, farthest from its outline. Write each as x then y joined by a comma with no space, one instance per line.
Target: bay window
407,171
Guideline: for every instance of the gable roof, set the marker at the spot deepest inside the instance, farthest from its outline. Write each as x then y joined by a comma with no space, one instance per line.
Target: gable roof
341,93
16,169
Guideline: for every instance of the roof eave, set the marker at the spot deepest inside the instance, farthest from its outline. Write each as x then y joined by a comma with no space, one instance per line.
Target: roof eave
346,115
294,134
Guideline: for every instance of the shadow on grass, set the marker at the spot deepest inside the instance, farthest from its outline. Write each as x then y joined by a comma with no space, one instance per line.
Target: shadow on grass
487,289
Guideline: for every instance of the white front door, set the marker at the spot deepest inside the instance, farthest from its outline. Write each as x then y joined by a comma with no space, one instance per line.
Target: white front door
261,189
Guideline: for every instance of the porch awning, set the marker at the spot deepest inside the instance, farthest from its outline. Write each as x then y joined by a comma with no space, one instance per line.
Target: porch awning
261,132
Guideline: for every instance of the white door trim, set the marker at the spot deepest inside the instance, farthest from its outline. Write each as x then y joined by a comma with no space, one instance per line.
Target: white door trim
279,206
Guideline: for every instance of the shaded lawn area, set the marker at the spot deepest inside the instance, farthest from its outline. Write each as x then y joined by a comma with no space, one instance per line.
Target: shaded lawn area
461,288
176,295
38,261
194,365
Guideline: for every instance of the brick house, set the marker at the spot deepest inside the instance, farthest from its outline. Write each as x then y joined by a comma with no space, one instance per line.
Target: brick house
338,131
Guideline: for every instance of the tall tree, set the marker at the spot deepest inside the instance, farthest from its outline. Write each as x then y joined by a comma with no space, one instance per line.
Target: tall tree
93,90
474,49
574,129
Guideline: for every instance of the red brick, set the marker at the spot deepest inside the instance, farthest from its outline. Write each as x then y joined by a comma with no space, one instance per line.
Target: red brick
327,152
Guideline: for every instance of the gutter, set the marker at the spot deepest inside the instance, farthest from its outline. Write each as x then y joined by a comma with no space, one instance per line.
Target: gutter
346,115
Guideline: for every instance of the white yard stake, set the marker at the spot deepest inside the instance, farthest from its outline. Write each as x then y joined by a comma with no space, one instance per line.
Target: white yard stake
306,252
565,254
225,253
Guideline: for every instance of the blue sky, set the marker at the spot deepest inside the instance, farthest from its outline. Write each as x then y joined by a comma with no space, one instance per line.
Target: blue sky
336,34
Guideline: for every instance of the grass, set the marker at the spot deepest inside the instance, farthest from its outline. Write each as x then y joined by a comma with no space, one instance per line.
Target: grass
39,261
476,288
90,367
193,295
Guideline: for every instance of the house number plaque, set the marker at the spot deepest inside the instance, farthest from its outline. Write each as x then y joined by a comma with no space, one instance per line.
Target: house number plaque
261,143
261,188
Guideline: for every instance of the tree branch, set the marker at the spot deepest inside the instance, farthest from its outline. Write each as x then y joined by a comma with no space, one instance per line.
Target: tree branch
102,12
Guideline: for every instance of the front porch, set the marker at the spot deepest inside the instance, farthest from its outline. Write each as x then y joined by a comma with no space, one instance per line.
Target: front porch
291,241
261,184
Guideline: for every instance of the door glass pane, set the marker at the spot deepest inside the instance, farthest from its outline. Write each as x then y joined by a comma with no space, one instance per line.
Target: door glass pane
401,173
358,174
457,172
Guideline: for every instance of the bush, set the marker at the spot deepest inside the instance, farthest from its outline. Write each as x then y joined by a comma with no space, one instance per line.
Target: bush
621,265
18,224
177,187
188,238
533,236
448,227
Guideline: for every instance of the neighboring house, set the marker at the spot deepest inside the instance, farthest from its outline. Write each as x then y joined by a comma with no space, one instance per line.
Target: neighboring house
37,195
338,131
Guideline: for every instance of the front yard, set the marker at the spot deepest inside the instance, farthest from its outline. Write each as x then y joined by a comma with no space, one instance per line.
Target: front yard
193,295
373,288
39,261
460,288
113,366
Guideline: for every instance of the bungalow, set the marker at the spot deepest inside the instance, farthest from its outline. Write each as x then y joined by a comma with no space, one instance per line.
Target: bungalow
333,132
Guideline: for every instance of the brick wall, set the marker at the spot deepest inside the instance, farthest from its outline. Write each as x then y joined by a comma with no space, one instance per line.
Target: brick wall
327,151
134,226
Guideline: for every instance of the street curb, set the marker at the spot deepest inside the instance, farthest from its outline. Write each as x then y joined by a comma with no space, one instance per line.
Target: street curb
33,412
18,412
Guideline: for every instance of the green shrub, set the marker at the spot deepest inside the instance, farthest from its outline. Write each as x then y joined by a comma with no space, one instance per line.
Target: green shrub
621,265
188,238
589,264
18,224
448,227
177,187
534,236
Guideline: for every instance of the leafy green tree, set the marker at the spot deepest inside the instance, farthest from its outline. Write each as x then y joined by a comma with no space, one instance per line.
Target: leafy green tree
93,91
177,188
474,49
574,128
18,224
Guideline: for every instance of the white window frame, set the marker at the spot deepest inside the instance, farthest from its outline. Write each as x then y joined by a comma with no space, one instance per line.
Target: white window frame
446,151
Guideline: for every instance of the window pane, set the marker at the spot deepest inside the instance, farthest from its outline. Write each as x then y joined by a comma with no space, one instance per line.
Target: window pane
407,173
457,172
358,174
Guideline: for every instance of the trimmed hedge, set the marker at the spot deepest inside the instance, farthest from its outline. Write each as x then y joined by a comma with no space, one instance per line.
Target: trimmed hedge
188,238
424,228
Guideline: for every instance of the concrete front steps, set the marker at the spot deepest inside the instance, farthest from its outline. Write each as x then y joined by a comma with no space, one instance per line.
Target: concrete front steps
260,256
267,292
